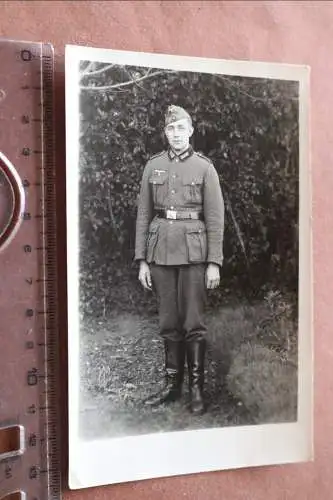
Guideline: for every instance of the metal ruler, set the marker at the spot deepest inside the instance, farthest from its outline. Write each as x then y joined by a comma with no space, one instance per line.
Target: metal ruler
29,433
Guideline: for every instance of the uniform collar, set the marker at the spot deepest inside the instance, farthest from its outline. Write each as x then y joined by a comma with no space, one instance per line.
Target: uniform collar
182,156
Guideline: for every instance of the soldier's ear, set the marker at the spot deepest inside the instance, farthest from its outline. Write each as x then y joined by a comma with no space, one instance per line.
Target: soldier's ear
191,130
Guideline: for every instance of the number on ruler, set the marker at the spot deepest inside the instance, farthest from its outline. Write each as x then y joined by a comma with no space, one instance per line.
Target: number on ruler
32,440
26,215
8,471
26,183
32,377
25,119
26,151
32,409
33,472
26,55
27,248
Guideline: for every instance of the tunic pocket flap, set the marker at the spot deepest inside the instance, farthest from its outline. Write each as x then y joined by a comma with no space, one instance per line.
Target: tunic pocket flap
195,230
193,181
158,178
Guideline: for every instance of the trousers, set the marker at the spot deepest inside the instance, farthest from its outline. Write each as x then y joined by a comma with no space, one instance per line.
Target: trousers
181,294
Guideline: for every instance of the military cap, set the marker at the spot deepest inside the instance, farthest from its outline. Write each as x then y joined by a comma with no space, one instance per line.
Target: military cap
175,113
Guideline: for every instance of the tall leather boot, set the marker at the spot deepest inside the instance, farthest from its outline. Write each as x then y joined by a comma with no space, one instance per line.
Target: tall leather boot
196,351
174,374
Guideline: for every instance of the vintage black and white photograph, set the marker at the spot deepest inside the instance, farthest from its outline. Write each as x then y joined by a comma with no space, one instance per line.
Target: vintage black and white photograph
189,276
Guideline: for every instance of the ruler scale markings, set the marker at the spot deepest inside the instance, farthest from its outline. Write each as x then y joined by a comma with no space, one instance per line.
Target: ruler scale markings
50,291
28,68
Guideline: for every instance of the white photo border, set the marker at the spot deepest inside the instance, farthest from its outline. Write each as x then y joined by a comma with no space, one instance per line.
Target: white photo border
115,460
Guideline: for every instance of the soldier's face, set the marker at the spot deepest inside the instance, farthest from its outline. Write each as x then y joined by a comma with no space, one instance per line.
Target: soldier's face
178,134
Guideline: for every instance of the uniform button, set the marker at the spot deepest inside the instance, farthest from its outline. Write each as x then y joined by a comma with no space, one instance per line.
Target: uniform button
171,208
173,191
173,176
176,160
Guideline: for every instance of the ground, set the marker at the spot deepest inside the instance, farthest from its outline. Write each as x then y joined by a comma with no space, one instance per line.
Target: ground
250,379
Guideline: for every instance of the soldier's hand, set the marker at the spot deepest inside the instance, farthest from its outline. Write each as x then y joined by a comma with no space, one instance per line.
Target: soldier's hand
145,276
212,276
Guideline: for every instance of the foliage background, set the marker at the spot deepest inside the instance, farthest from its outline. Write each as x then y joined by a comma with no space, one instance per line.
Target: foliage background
247,126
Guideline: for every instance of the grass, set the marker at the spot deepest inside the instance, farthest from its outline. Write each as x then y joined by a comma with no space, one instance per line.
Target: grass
251,373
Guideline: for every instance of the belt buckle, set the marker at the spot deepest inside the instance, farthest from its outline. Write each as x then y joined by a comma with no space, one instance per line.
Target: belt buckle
171,214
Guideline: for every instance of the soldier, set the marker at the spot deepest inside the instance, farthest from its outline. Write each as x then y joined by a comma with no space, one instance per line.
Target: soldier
179,243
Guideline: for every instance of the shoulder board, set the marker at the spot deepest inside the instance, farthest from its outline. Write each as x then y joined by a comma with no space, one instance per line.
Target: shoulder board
156,155
203,156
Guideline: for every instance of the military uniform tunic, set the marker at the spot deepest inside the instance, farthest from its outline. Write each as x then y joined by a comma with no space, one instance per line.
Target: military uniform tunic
188,182
178,250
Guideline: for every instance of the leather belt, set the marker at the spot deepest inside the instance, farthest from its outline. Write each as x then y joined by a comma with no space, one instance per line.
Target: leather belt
179,214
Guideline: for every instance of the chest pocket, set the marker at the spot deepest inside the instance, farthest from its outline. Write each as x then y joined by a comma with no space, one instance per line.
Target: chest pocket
193,189
158,182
